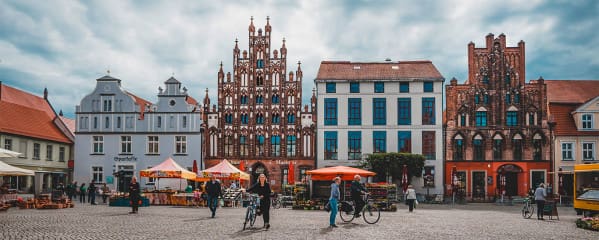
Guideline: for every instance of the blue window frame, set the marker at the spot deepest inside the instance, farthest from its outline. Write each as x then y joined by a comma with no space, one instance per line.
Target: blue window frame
330,111
259,99
330,145
404,141
517,98
379,111
275,144
428,111
260,63
508,99
379,140
243,100
485,79
481,118
244,118
512,118
229,118
404,87
290,118
404,111
354,145
476,98
276,118
531,119
379,87
275,99
354,87
260,119
354,107
428,87
291,145
331,87
486,99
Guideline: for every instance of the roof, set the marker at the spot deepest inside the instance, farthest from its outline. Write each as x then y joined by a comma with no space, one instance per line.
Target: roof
70,123
571,91
191,100
28,115
108,78
168,169
565,125
172,80
140,101
346,70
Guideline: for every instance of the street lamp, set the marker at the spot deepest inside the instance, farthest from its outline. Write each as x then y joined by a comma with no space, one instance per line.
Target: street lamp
551,123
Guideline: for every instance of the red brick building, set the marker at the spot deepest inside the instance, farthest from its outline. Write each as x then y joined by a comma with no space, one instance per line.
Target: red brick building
259,119
497,134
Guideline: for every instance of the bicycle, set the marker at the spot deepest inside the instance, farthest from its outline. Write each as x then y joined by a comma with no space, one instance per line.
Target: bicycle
528,209
250,214
275,201
370,212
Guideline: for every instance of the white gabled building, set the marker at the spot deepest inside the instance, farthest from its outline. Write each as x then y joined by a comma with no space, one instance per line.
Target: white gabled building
369,107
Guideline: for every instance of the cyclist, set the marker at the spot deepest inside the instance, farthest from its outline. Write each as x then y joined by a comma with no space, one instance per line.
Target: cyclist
262,188
357,189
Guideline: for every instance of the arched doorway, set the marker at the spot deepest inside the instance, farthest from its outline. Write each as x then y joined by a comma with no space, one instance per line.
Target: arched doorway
257,169
509,183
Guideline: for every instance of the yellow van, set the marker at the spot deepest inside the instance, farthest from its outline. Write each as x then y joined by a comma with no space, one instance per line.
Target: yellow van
586,189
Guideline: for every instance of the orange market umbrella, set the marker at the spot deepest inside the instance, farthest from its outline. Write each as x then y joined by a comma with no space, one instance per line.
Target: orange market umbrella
241,166
291,174
346,173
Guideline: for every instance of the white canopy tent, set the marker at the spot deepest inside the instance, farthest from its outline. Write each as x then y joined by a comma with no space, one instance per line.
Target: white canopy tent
4,153
8,170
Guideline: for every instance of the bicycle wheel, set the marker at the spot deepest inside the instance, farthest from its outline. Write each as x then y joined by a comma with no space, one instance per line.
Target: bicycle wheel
252,217
371,214
346,212
527,211
276,204
247,217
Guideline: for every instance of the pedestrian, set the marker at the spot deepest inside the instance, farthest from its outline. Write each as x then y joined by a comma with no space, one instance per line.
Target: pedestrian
540,195
92,192
105,191
75,191
333,200
411,197
262,188
82,192
233,185
134,195
213,190
357,189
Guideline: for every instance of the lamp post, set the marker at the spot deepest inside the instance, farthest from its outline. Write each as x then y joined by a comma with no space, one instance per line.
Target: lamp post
551,123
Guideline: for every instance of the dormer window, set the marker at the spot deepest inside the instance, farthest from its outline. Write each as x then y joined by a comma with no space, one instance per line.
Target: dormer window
587,121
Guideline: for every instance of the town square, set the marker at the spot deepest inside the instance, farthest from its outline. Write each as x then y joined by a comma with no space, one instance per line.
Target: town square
299,119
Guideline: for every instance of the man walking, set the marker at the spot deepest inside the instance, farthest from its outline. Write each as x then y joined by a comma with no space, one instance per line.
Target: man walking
91,190
213,189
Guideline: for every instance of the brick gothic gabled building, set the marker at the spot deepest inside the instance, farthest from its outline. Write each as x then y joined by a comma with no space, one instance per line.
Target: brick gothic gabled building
497,135
259,118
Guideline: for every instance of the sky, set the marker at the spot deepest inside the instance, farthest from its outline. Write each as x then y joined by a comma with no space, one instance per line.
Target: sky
66,45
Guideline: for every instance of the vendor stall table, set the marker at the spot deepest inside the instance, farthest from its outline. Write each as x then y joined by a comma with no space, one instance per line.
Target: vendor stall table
159,198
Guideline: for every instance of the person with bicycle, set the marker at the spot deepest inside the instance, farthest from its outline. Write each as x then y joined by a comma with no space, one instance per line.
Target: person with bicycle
540,195
333,200
262,188
213,190
357,189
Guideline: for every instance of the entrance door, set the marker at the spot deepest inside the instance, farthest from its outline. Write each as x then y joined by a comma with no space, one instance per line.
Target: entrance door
126,173
511,184
478,185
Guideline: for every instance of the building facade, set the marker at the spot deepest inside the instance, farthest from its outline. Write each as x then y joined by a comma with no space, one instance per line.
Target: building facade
573,105
118,134
370,107
29,125
497,135
259,118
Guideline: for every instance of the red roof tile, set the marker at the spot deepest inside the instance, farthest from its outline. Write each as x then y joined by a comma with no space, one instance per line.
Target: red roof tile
346,70
70,123
25,114
565,122
140,101
191,100
571,91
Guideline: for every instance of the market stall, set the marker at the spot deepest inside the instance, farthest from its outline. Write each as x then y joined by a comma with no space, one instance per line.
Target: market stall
8,197
226,171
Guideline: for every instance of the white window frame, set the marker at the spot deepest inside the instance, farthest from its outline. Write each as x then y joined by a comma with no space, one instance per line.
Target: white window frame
592,144
150,142
62,153
49,152
183,142
125,144
99,142
536,170
572,150
39,150
95,173
589,121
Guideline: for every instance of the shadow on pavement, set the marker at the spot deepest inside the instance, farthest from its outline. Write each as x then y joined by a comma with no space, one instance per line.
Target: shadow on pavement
326,230
352,225
247,232
197,219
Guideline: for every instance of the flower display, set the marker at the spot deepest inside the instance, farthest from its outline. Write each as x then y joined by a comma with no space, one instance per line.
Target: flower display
591,223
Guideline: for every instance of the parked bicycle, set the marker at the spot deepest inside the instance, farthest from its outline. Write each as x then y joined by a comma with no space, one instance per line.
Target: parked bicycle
275,201
528,209
250,214
370,212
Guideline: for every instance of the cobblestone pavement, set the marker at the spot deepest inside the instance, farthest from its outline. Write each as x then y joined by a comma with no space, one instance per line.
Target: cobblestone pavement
471,221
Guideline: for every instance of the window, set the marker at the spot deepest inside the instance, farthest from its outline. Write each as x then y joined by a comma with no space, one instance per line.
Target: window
567,152
95,122
159,122
517,148
517,98
153,144
379,87
284,176
36,151
428,145
23,148
61,154
330,145
587,121
171,122
49,152
275,99
379,141
379,111
588,151
512,119
463,120
479,149
291,145
476,98
8,144
428,86
259,99
330,111
404,87
98,144
485,79
404,141
481,118
275,143
244,118
537,144
290,118
228,146
83,122
180,145
458,148
260,63
508,99
97,174
129,122
404,111
260,141
259,80
118,122
331,87
497,149
486,99
354,145
228,118
531,119
428,111
260,118
125,144
354,87
243,100
276,118
106,122
184,121
243,146
355,111
107,105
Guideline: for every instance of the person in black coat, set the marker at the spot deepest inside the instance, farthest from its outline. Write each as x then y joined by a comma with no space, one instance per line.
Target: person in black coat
262,188
357,189
91,190
134,195
213,190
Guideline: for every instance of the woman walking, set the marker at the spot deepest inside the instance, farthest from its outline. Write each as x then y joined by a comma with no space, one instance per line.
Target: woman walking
262,188
333,200
82,192
540,195
411,197
134,195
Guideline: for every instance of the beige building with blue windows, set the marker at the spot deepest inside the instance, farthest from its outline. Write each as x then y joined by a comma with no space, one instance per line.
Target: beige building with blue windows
371,107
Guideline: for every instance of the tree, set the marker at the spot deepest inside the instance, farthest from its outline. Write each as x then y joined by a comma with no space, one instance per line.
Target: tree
391,164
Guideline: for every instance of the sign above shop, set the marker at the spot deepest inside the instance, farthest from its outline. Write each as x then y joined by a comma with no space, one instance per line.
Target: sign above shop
125,159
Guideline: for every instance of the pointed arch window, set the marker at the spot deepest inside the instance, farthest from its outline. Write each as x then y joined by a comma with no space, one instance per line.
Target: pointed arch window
458,148
244,118
259,99
517,147
259,80
511,118
537,144
243,146
275,99
260,118
243,100
497,148
481,117
479,148
290,118
229,118
244,79
276,118
228,146
275,79
260,145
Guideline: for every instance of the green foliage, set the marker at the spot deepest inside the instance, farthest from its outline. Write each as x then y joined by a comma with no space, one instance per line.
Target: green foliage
384,164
